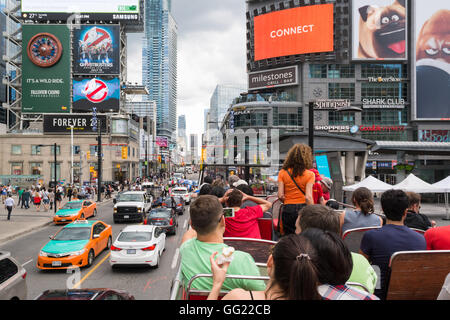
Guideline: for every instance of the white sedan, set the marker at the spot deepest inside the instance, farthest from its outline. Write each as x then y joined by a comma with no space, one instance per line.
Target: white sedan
181,192
138,245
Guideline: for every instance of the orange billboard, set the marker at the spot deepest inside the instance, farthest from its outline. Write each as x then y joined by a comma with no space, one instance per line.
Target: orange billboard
293,31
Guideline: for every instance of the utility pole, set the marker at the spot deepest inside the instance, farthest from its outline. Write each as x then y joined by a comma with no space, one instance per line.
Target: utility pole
311,126
99,161
56,179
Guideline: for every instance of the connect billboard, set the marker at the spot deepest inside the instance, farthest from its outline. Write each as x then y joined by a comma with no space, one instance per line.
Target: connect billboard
98,92
112,10
96,50
379,30
45,69
432,60
301,30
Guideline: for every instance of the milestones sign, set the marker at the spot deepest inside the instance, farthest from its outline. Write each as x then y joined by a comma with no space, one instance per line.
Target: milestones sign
82,123
273,78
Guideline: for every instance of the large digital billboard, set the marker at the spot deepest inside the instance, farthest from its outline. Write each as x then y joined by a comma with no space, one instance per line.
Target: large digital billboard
96,50
113,10
379,30
301,30
432,60
98,92
45,69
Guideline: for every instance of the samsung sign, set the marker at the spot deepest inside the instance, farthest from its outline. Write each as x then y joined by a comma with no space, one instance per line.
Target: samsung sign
273,78
63,123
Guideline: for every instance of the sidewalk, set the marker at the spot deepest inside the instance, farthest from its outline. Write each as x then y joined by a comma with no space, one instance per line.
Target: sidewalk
24,221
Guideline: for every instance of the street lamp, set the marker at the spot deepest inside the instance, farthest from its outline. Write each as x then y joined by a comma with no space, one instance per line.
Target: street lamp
56,179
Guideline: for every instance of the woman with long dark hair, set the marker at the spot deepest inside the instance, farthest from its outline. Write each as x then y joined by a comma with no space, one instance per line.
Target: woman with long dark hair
295,185
363,216
291,268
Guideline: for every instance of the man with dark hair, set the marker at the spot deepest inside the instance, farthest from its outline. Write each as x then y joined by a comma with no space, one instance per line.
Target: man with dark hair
208,179
380,244
326,219
206,237
414,219
245,222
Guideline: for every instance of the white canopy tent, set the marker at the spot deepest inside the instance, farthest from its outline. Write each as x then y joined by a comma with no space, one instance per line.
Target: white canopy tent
444,186
415,184
371,183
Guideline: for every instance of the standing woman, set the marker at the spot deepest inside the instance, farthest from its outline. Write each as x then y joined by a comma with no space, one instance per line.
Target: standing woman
37,199
295,185
58,198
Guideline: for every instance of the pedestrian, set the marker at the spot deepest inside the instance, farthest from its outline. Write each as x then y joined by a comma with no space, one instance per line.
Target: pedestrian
9,205
69,193
37,200
19,192
4,194
45,199
58,198
26,195
51,197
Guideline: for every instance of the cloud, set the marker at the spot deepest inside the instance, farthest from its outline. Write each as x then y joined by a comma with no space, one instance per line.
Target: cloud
211,51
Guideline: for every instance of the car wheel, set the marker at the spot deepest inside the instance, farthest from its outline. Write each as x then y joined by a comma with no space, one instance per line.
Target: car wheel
82,216
108,245
91,257
95,213
157,262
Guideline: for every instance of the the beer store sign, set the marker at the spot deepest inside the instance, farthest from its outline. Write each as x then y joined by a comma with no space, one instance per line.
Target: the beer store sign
273,78
63,123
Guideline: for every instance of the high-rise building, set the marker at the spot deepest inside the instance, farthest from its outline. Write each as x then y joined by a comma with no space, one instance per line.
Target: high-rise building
182,126
222,99
159,64
194,147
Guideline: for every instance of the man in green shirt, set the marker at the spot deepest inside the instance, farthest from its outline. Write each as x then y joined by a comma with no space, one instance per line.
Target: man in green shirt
19,192
206,237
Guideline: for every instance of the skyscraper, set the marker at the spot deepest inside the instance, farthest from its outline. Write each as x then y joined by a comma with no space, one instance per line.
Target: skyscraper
221,100
182,126
159,64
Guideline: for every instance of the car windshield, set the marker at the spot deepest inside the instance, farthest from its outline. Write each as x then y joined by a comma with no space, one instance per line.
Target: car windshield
72,205
160,213
67,234
68,295
179,191
135,236
129,197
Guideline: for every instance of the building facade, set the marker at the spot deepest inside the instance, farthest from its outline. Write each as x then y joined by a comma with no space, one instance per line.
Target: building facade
159,63
221,100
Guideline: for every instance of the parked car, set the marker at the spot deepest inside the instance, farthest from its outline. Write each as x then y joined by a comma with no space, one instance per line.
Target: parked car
13,285
176,203
132,205
166,218
75,210
75,245
85,294
138,245
181,192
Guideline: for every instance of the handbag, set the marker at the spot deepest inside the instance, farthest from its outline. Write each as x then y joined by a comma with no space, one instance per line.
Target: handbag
295,182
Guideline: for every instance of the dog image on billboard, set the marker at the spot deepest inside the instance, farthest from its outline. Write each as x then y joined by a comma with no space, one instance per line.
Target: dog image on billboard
382,30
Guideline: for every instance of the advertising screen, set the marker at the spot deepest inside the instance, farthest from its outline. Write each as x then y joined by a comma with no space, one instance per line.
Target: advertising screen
63,123
45,69
162,142
432,60
379,29
85,9
301,30
96,50
99,92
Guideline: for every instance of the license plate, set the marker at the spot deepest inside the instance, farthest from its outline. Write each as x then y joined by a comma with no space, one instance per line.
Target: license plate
63,220
131,251
126,217
56,264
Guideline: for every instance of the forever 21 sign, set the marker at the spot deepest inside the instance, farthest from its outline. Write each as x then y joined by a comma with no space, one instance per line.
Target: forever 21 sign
62,123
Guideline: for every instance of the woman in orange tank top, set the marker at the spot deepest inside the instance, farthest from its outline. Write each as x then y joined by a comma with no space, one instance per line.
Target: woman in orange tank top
295,184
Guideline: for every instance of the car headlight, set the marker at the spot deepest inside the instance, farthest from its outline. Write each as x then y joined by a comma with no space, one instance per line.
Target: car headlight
76,253
43,254
115,209
139,209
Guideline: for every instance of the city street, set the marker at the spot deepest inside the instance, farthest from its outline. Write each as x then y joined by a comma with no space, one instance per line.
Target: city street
143,283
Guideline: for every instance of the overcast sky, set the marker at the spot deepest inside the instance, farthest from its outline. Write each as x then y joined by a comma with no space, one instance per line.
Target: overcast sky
211,51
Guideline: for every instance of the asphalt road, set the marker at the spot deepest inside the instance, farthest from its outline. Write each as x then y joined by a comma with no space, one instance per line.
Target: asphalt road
144,283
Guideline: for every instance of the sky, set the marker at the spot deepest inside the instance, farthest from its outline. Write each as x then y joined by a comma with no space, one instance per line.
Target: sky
211,51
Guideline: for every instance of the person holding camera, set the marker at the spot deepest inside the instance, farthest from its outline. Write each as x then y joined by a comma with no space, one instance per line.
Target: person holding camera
243,223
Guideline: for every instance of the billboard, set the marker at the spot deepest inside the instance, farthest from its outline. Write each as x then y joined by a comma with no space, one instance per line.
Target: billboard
110,10
162,142
273,78
96,50
432,60
379,30
62,123
98,92
301,30
45,69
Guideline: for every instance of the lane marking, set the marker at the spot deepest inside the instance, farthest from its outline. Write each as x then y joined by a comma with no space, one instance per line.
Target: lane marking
175,258
185,224
77,286
23,265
